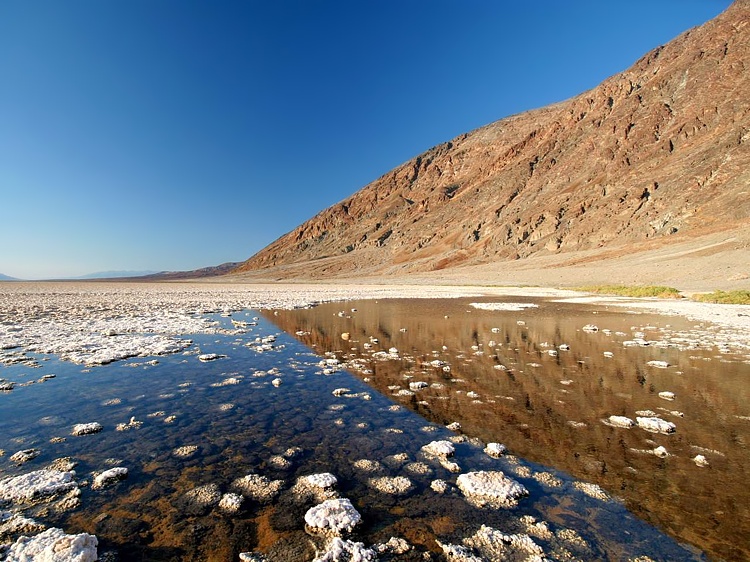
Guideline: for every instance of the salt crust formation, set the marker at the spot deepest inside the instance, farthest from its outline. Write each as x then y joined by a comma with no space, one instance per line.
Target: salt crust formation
36,484
86,428
505,306
333,516
53,545
495,450
324,480
439,448
108,477
656,425
340,550
491,488
394,485
258,488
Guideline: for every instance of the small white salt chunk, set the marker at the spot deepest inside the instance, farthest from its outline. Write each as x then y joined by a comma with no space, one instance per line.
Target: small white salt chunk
621,421
661,452
495,450
490,487
701,461
335,515
86,428
656,425
231,503
439,448
109,477
323,480
666,395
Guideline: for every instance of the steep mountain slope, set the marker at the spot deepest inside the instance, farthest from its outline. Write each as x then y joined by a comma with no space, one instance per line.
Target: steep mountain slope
658,153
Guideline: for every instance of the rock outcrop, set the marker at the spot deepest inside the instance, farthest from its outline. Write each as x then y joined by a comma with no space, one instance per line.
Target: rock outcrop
655,154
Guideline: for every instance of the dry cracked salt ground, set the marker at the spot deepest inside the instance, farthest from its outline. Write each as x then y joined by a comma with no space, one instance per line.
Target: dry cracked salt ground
112,328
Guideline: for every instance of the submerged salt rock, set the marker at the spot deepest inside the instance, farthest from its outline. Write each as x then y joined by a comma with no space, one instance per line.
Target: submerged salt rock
495,450
621,421
24,456
231,503
491,487
36,484
109,477
340,550
53,545
252,557
656,425
16,524
323,480
333,515
86,428
203,496
496,545
257,487
206,357
394,485
439,448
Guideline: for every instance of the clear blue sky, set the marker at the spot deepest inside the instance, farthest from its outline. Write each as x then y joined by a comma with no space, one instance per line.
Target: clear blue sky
172,135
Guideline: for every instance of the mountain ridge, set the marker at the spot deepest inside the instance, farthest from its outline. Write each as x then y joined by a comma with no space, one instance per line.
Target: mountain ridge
657,152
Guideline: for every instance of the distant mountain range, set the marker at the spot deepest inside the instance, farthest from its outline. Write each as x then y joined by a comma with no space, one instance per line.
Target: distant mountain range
6,278
115,274
656,155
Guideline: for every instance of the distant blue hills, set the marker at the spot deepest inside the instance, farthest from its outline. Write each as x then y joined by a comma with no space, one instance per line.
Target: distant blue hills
114,274
6,278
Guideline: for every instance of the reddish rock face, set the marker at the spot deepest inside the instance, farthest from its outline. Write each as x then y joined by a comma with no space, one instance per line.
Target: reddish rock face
658,152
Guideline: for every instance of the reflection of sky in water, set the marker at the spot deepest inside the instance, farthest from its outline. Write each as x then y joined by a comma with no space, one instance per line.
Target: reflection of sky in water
241,423
536,381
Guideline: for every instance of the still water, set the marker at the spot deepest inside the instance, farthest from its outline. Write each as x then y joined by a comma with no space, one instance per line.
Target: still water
206,424
536,381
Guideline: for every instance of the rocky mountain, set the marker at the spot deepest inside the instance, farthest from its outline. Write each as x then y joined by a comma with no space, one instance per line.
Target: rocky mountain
655,155
6,278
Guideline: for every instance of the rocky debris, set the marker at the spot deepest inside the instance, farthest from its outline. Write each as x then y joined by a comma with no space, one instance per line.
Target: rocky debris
37,484
490,488
109,477
334,516
186,451
53,545
656,425
86,428
252,557
660,452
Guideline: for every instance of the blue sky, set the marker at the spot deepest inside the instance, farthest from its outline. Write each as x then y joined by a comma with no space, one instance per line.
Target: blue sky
172,135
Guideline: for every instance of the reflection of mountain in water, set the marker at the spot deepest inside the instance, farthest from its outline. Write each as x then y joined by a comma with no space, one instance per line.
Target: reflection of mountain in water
548,407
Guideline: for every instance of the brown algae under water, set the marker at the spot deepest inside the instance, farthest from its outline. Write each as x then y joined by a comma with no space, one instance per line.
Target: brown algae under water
256,406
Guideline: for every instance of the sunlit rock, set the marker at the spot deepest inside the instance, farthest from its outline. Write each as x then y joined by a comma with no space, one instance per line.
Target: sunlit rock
231,503
109,477
394,485
700,460
24,456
